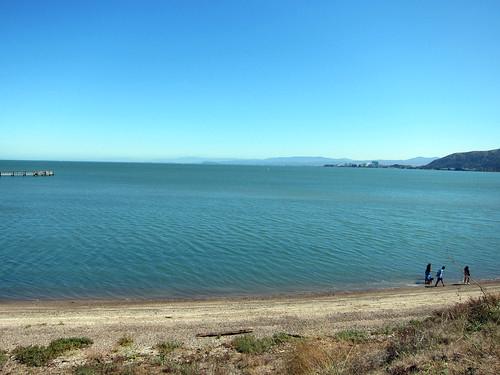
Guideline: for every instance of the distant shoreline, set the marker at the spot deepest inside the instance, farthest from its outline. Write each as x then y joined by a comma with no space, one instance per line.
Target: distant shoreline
364,165
267,162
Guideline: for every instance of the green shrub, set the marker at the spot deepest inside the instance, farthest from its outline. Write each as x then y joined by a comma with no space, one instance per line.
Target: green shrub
62,345
3,358
32,355
352,335
251,344
385,330
37,356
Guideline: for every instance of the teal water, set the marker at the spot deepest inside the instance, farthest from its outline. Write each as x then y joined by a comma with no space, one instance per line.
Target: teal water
113,230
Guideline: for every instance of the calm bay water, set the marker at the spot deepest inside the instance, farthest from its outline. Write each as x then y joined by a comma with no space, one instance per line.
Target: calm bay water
113,230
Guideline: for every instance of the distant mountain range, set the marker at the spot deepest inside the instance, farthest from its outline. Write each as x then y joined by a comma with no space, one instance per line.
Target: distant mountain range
298,161
488,161
485,161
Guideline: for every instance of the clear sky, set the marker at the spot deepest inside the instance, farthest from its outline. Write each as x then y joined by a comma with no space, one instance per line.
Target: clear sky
149,80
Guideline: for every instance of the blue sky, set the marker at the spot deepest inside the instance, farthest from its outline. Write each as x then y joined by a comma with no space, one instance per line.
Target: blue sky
149,80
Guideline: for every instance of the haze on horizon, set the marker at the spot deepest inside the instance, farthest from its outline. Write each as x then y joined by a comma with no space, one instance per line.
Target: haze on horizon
154,80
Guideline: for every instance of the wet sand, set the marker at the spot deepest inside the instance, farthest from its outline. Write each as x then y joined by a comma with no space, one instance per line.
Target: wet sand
149,322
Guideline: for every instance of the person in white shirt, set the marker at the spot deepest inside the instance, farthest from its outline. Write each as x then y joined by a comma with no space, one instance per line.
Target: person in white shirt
439,276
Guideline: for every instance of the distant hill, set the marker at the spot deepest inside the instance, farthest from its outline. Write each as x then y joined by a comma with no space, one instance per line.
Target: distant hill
413,162
313,161
287,161
485,161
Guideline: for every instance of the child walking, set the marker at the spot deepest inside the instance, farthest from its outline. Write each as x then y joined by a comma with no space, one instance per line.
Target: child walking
439,276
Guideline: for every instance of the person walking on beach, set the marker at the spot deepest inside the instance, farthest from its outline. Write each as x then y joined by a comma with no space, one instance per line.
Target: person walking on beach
439,276
466,275
428,278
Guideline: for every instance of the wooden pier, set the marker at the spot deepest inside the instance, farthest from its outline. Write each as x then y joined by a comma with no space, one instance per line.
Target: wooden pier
26,173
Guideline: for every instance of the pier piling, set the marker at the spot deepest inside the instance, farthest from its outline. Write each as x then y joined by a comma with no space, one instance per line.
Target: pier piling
44,173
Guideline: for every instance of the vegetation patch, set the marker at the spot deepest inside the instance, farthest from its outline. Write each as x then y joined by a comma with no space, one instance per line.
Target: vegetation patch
86,370
65,344
352,335
125,341
121,366
282,337
111,369
191,368
32,355
40,355
476,314
462,339
252,345
166,347
325,356
3,358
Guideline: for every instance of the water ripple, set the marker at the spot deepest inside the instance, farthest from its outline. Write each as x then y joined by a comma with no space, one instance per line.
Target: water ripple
143,231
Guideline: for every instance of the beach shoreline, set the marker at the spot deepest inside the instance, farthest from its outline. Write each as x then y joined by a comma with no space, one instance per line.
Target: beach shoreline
123,301
145,324
38,322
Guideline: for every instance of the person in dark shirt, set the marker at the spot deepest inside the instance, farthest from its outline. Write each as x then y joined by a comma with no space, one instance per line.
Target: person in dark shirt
428,277
466,275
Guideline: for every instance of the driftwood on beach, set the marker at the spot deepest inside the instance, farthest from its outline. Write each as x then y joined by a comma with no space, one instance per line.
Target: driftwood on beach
224,333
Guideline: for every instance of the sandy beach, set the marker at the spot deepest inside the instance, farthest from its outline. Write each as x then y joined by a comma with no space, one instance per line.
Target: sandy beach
38,322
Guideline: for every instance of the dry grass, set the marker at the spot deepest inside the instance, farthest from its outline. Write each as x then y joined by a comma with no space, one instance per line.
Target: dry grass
115,368
125,341
167,347
462,339
310,356
164,349
334,357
